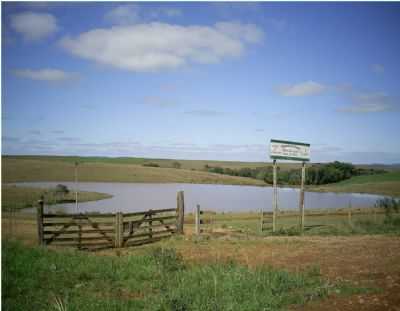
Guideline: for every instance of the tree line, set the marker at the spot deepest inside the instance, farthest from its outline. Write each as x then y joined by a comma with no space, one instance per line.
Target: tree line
318,174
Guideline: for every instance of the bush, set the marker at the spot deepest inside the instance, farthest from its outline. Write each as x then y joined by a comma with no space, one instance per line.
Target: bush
389,205
61,189
151,164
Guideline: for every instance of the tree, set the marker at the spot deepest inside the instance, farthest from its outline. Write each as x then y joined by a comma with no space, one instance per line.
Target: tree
61,189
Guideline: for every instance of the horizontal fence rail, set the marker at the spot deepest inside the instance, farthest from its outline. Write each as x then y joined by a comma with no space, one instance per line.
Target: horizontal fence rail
94,231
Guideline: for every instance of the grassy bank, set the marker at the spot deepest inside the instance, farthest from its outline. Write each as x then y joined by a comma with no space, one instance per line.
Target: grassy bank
41,279
14,197
384,184
15,169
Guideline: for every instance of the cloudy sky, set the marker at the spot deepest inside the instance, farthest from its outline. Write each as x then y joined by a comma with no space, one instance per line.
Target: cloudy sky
201,80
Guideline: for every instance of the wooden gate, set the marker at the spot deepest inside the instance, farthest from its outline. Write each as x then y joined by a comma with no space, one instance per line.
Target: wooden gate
146,227
84,231
96,231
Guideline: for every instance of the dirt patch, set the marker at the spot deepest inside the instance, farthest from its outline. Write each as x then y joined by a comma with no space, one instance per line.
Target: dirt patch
364,261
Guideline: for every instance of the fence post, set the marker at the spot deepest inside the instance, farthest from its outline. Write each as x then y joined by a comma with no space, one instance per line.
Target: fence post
180,209
274,198
150,224
119,233
79,236
197,220
301,202
349,218
40,221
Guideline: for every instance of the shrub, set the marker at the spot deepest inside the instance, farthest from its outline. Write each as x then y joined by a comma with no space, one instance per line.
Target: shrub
61,189
151,164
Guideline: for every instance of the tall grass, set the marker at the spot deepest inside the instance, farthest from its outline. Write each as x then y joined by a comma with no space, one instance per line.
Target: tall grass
41,279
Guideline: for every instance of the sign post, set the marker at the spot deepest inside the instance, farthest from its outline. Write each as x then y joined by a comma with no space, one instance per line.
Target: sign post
288,150
274,199
301,202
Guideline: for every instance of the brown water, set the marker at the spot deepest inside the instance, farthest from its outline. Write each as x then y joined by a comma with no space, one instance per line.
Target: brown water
129,197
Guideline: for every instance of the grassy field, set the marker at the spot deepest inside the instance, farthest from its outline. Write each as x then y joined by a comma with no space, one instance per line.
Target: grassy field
164,163
38,168
58,169
14,197
157,279
228,266
386,184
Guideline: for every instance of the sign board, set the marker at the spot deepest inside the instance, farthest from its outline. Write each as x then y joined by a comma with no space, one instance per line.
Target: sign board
289,150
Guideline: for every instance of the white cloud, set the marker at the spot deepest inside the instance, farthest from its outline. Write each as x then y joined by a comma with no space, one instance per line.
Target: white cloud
302,89
377,68
124,15
34,26
369,102
51,75
158,46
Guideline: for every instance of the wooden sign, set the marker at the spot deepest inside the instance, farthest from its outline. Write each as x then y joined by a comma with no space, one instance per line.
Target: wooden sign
289,150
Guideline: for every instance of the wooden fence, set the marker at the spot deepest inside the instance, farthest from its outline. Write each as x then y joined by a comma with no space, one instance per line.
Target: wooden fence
346,216
97,231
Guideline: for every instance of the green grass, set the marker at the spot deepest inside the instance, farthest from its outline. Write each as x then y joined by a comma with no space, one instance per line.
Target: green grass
372,221
385,184
14,197
390,176
19,169
39,279
165,163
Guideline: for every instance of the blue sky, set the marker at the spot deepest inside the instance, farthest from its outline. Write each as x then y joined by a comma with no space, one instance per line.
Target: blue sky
201,80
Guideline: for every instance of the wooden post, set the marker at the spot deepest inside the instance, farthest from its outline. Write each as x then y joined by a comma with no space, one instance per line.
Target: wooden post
119,230
301,203
349,218
197,220
76,186
40,221
180,209
274,199
262,220
79,236
150,225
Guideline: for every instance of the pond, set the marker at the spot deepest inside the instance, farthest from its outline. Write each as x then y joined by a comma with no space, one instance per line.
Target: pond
128,197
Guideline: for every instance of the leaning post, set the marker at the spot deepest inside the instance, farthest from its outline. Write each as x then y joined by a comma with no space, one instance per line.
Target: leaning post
180,210
301,203
40,221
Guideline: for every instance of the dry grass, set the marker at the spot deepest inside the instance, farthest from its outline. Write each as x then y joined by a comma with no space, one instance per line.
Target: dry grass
19,170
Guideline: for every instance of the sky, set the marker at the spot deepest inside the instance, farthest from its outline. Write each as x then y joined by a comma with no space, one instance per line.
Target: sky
211,81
